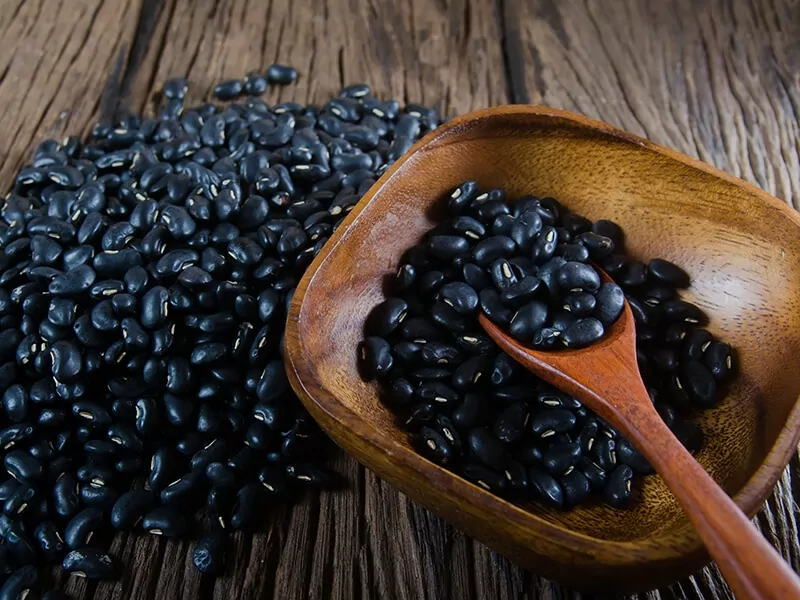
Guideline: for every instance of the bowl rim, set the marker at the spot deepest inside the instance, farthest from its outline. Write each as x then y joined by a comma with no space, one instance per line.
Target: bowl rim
321,402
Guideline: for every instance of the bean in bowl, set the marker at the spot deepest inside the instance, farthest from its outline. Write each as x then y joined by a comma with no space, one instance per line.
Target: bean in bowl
529,267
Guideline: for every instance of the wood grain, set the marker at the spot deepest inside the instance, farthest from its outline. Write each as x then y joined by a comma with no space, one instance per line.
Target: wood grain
719,80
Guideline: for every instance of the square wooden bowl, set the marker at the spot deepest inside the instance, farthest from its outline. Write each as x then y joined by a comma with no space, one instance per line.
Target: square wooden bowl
740,245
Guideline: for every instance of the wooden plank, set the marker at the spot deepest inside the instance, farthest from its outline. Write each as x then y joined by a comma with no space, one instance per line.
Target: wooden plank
61,62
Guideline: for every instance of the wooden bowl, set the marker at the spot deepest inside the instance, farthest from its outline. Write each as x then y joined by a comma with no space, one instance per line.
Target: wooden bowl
741,246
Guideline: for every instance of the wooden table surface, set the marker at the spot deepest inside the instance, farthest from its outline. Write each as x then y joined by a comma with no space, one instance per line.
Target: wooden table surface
718,80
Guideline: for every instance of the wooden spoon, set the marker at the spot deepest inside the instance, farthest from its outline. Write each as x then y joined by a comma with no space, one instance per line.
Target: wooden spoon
605,377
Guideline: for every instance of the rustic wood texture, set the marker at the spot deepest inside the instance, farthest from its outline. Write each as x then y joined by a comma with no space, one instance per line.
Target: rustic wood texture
717,79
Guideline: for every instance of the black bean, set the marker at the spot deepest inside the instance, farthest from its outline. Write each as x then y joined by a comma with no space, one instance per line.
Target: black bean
229,90
448,246
610,302
544,244
719,360
462,196
433,445
560,458
281,74
617,491
460,296
527,320
49,540
493,248
65,499
486,478
668,273
696,343
246,508
82,527
575,276
175,88
447,318
209,553
15,403
548,423
576,487
547,488
22,466
699,383
19,583
582,333
90,563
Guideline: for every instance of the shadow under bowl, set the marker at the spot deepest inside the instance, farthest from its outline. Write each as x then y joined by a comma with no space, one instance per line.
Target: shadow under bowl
740,245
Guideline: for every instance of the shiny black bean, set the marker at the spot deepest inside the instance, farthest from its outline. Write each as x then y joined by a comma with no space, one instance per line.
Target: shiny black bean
617,491
582,333
246,508
634,274
522,290
209,553
576,487
15,402
470,412
546,487
435,353
229,90
502,274
573,252
66,361
175,88
668,273
447,318
49,540
527,320
438,394
22,466
551,422
460,296
281,74
610,302
544,245
77,280
493,248
560,458
578,277
696,343
448,246
433,445
486,478
19,500
386,317
580,304
679,310
699,383
19,583
628,455
65,499
90,563
719,361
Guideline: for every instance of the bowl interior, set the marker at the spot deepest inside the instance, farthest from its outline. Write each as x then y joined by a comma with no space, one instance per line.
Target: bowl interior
740,250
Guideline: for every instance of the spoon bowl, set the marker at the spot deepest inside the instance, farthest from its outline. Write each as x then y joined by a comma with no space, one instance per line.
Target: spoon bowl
740,245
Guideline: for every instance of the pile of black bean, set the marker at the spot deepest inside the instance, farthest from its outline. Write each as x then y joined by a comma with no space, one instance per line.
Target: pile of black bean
469,407
145,276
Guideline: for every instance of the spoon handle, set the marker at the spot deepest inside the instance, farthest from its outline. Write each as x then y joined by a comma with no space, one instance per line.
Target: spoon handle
751,566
